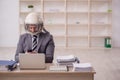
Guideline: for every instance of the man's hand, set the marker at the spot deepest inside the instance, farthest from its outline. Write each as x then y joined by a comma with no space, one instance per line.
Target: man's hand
31,52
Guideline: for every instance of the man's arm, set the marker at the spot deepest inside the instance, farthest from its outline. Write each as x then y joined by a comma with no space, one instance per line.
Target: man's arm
19,48
50,51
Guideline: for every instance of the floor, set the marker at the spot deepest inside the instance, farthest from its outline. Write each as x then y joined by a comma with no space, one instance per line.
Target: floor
105,61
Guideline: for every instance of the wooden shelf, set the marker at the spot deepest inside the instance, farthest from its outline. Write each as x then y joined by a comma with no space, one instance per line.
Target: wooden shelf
29,0
100,24
62,25
78,0
54,12
100,13
27,12
73,23
75,12
77,25
77,36
54,0
100,36
101,0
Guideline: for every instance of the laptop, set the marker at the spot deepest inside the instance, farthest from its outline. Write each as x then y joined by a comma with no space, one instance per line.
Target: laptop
32,61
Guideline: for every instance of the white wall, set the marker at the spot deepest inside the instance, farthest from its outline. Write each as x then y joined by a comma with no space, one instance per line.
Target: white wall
9,10
9,19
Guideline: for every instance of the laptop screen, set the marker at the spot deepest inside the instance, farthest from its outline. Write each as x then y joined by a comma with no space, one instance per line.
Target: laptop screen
32,61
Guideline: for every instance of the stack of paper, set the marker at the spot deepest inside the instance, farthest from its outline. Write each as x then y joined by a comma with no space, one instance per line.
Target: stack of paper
82,67
66,60
69,58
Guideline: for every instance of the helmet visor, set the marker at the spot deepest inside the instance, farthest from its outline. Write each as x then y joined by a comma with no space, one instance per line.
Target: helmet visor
33,28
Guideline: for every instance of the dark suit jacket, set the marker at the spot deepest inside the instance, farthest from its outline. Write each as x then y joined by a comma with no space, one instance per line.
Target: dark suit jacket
45,45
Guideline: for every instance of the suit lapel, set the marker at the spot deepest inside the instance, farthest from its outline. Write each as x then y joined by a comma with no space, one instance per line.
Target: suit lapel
40,39
29,42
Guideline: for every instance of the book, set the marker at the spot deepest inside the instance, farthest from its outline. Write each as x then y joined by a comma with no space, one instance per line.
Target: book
7,65
82,67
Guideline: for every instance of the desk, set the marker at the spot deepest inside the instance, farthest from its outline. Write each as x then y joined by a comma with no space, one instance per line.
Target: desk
45,75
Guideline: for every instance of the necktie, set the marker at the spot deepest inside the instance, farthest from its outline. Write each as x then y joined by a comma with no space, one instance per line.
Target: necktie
34,43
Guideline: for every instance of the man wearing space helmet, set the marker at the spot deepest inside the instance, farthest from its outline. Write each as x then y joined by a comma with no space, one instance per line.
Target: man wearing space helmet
36,39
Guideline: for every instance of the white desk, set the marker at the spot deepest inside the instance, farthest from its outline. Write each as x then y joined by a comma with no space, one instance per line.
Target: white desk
45,75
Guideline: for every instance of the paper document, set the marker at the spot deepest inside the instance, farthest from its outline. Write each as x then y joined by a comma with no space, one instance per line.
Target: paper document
82,67
69,58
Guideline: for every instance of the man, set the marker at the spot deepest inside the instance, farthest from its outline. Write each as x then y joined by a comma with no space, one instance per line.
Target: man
36,40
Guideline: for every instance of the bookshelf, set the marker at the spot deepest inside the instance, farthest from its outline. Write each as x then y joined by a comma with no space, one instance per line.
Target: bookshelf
73,23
